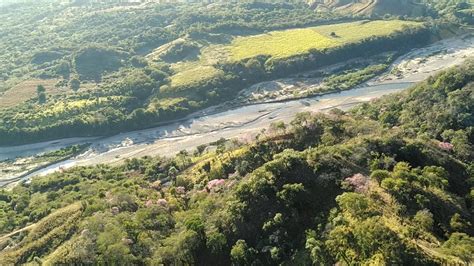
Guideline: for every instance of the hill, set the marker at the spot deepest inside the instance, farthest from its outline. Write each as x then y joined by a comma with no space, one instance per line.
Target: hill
389,182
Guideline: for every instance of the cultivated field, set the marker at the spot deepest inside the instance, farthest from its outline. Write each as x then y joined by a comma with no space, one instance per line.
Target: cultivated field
26,90
357,31
282,44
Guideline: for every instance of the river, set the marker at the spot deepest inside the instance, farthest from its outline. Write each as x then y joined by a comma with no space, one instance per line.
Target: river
245,122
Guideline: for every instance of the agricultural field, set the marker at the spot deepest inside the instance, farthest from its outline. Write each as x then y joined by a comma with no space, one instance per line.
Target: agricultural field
26,90
357,31
287,43
282,44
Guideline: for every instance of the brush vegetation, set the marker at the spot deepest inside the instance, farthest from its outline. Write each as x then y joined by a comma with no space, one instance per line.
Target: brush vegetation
375,185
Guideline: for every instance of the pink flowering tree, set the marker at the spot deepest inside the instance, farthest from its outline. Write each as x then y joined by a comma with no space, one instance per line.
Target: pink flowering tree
445,146
215,184
359,182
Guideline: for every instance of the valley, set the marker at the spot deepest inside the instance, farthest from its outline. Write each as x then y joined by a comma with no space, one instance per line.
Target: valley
247,121
207,132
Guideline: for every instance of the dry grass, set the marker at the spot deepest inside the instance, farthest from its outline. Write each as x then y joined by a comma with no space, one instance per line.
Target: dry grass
27,90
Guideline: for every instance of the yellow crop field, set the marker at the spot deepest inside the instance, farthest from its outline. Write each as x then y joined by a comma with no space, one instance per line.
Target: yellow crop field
280,44
287,43
356,31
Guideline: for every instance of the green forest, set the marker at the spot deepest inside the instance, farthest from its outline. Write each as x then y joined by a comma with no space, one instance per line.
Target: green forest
390,182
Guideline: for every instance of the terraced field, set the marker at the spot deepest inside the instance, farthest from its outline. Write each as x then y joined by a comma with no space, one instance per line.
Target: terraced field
283,44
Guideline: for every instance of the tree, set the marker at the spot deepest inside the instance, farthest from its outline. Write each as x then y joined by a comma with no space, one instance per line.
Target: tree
41,91
372,237
111,247
380,175
460,245
242,254
458,224
216,242
42,98
354,203
424,219
172,172
75,84
278,127
317,250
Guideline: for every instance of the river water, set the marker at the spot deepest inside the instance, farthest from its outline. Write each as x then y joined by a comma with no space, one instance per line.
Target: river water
245,122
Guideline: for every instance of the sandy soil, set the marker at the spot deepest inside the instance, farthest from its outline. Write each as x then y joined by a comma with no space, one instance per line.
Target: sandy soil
419,64
294,87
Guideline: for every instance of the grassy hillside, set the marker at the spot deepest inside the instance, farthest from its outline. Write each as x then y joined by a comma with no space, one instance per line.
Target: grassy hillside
377,185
